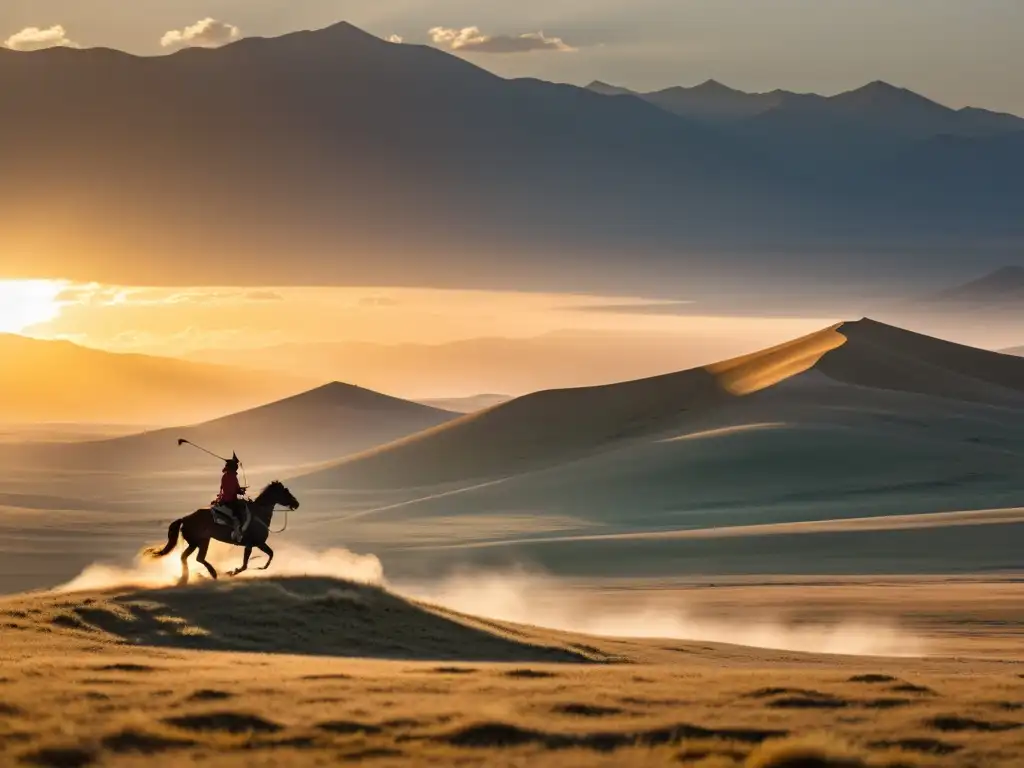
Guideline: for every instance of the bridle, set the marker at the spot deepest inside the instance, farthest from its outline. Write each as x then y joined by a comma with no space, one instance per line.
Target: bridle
283,528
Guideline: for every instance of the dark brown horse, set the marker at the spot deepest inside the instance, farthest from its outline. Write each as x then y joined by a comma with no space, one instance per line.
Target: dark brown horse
199,528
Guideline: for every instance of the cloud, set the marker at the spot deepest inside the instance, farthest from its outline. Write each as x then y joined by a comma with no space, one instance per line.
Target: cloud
395,39
36,39
92,294
472,40
208,33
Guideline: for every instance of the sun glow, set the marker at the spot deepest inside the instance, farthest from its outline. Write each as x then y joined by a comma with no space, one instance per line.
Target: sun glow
24,303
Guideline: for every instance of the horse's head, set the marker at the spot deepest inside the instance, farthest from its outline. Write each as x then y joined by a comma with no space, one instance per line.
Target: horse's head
278,495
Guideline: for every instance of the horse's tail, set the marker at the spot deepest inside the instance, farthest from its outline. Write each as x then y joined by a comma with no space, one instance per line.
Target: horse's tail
172,541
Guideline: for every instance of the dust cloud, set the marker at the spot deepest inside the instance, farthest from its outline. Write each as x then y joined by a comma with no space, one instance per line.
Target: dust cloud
530,598
338,563
526,597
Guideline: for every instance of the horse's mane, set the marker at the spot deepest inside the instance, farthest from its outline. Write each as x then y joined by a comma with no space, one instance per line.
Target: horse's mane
274,485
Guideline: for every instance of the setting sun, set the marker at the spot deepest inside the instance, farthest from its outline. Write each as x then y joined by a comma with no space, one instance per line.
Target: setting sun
24,303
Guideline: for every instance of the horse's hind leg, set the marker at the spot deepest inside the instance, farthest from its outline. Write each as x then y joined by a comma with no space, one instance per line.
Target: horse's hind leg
184,564
245,562
268,552
201,557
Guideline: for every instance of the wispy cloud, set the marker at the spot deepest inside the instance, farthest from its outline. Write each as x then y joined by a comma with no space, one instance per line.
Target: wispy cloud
37,39
207,33
93,294
472,40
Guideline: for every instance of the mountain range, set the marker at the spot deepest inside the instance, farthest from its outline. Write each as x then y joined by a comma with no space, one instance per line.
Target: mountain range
334,156
880,106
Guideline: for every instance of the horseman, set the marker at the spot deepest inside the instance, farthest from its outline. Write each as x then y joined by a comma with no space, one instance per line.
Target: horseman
228,502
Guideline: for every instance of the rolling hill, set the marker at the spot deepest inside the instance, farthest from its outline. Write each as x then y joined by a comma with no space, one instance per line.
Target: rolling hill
330,421
57,381
558,426
858,420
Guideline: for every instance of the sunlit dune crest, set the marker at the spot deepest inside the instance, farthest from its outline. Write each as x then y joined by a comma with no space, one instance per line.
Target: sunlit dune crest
750,373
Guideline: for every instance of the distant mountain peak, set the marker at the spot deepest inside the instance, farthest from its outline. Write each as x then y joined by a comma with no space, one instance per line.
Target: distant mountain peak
342,394
882,86
344,29
879,93
342,34
607,89
713,86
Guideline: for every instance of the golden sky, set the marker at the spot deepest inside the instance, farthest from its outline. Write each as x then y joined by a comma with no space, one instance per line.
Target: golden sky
181,321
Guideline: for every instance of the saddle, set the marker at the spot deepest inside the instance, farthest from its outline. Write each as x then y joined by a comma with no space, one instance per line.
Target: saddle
226,514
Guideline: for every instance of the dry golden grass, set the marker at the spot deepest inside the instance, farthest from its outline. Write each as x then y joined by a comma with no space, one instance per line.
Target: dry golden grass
319,672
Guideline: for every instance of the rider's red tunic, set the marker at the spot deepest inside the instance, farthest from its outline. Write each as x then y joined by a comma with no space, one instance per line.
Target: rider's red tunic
229,488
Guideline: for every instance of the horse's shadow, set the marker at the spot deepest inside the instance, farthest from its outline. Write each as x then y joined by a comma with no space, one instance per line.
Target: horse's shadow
304,616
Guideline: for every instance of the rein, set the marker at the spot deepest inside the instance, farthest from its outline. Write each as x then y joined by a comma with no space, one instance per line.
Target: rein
271,530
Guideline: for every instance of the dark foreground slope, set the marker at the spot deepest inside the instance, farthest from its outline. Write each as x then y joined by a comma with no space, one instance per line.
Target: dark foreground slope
309,616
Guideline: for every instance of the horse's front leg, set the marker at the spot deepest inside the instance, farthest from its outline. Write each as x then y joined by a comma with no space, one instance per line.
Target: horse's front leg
245,563
268,552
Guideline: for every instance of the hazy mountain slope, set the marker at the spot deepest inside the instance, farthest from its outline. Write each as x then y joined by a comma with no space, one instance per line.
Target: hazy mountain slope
1003,286
916,154
57,381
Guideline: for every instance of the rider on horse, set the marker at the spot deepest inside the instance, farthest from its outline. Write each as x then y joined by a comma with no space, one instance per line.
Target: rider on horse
228,501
